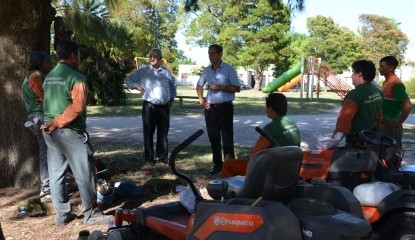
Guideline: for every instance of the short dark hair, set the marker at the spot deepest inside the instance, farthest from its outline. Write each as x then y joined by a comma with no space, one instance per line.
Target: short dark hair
390,60
218,48
156,50
65,48
278,102
366,68
36,59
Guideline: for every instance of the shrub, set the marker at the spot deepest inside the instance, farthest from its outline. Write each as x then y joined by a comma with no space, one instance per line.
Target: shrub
410,88
105,77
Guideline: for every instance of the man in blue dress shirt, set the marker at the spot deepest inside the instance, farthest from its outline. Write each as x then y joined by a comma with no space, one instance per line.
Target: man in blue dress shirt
158,87
223,82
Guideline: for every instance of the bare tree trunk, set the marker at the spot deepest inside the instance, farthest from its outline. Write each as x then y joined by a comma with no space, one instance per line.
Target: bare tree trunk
259,77
25,27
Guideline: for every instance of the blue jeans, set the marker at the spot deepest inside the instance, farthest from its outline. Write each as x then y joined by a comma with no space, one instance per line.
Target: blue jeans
43,162
67,149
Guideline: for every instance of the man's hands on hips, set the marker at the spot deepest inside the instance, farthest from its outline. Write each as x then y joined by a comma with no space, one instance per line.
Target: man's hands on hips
140,89
170,104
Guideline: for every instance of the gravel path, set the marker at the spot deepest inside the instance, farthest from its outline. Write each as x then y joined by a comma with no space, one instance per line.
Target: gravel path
129,129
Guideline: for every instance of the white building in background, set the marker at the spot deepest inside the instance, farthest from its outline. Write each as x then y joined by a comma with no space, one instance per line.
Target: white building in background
186,76
407,71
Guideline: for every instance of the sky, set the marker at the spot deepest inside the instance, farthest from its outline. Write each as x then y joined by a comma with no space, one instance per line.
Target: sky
344,13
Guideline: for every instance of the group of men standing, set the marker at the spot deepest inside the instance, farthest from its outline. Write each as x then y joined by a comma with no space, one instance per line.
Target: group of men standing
56,105
158,88
370,107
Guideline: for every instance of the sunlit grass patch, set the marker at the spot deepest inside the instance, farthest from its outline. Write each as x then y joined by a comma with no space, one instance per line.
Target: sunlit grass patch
247,102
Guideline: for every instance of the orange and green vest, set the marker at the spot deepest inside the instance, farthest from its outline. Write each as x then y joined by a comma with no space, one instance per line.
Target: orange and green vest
393,92
29,96
58,85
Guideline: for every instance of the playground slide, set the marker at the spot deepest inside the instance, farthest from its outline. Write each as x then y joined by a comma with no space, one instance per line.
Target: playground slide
284,78
288,85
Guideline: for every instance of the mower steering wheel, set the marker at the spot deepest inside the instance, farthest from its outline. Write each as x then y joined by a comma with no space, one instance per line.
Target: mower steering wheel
377,138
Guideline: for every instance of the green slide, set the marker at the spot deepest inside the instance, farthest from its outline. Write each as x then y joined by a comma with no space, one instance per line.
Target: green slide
281,80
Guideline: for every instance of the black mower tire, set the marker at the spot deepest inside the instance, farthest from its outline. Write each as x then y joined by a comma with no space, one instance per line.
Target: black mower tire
399,227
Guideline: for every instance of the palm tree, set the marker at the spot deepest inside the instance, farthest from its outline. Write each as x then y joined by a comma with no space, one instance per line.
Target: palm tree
90,25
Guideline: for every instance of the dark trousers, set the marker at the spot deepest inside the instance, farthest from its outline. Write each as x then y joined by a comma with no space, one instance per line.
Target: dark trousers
219,125
155,116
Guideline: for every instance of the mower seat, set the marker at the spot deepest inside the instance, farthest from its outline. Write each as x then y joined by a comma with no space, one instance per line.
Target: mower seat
272,173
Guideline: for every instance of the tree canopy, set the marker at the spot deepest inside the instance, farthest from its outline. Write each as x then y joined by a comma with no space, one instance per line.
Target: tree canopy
381,36
337,46
253,34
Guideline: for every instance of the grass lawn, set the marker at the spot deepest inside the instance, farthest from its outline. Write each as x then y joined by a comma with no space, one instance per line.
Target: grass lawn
247,102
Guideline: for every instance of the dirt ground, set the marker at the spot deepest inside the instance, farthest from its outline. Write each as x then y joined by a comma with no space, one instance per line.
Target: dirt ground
16,227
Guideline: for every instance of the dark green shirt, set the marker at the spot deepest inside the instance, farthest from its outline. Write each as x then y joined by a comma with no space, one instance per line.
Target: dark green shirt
58,85
284,130
369,102
392,108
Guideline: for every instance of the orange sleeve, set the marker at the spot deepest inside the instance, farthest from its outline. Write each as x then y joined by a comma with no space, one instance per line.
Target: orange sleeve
79,98
344,120
35,83
380,119
261,144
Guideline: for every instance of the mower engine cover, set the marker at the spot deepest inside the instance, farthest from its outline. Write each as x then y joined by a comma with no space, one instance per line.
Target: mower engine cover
237,219
319,220
370,194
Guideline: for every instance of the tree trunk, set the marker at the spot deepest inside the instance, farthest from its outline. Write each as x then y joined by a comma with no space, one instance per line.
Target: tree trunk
259,77
25,27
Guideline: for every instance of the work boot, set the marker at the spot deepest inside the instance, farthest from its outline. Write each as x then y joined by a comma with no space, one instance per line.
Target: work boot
96,218
164,160
65,219
215,169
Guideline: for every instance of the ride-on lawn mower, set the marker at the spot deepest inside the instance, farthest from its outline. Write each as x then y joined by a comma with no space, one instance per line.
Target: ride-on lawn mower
388,205
269,203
